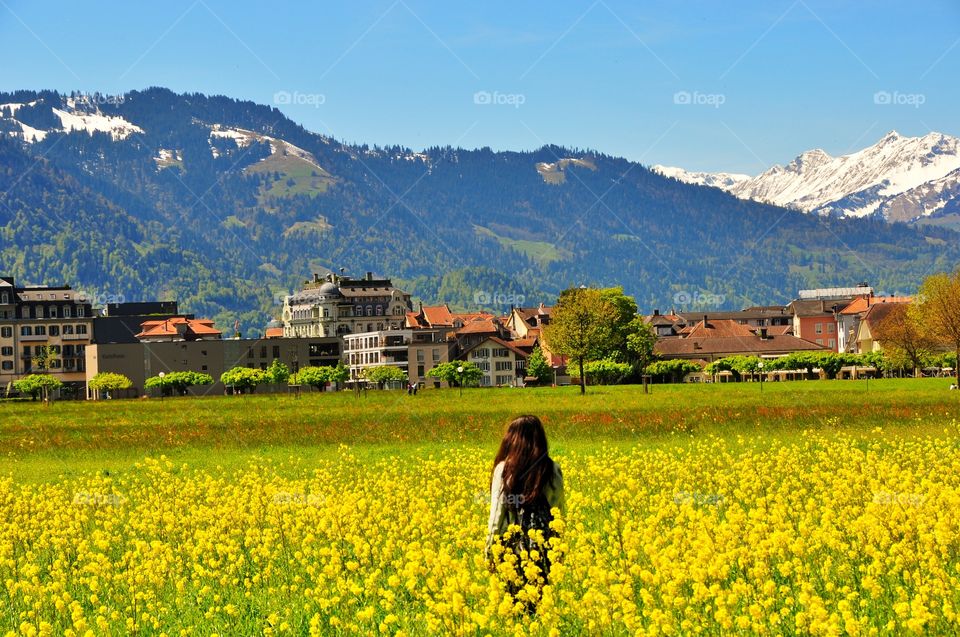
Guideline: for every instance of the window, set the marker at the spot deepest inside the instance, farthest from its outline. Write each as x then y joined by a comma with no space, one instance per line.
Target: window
250,353
832,343
6,332
6,350
40,330
6,366
81,349
81,311
25,330
819,341
263,351
68,350
436,356
369,310
4,298
52,311
66,312
276,351
831,328
420,356
68,329
81,329
819,328
54,330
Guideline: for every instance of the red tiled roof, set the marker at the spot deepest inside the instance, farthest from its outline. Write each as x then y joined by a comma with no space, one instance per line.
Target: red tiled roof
862,303
168,327
727,345
720,328
510,345
480,326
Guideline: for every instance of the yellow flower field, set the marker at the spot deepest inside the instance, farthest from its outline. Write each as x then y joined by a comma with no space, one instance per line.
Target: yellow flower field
825,535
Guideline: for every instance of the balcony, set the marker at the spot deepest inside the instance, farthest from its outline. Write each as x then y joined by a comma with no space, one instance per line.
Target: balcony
72,337
33,338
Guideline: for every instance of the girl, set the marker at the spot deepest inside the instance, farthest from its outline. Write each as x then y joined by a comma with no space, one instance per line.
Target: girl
526,485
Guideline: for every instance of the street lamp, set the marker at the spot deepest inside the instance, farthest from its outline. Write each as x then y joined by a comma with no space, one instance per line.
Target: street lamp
161,375
460,379
760,366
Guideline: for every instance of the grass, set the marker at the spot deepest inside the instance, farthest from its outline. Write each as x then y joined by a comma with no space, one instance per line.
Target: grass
306,178
542,252
40,443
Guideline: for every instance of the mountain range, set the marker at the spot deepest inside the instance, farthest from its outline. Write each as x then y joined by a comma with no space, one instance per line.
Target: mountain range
898,179
227,205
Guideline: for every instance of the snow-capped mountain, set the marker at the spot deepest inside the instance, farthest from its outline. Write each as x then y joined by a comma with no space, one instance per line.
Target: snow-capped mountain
898,179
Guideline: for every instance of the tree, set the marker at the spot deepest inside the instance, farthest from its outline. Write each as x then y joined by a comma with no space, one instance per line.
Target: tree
178,382
35,385
278,373
606,371
339,374
674,369
384,373
46,359
538,367
581,327
937,308
641,340
622,324
316,377
109,382
448,373
901,333
243,378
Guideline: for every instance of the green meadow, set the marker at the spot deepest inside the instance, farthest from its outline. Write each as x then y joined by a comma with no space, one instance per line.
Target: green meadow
44,442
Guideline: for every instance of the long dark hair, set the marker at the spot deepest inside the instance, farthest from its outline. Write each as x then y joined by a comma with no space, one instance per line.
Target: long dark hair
527,467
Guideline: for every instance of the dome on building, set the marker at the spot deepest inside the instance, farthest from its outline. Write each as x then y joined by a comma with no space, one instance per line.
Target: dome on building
329,289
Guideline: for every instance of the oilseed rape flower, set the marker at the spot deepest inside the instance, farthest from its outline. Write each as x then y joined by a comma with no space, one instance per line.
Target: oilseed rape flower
825,534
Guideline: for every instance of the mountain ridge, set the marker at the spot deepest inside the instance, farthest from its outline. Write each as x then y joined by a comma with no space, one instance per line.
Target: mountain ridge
230,222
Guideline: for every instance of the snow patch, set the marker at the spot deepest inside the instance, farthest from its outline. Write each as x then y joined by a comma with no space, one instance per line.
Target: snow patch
118,127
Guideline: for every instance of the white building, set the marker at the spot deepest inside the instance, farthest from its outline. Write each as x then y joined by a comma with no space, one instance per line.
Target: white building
376,349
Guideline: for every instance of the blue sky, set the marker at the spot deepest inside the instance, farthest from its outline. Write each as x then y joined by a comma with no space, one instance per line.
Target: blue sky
705,85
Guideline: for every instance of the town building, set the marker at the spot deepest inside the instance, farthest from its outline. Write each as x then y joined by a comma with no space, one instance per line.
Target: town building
851,316
141,360
376,349
503,364
37,320
710,340
337,305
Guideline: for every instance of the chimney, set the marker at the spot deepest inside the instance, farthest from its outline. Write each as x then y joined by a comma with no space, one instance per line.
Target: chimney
369,276
656,312
763,333
705,320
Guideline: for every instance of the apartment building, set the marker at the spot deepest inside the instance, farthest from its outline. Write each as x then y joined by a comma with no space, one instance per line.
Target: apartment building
35,320
375,349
